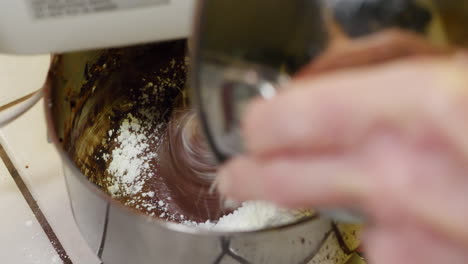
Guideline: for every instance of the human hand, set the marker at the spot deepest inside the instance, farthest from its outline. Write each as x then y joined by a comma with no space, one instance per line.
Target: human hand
390,140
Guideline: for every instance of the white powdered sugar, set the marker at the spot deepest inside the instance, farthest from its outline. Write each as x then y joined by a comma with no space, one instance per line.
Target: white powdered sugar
251,215
127,163
255,215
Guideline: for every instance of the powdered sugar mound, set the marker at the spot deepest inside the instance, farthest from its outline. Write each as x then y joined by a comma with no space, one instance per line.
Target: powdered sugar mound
254,215
251,215
126,164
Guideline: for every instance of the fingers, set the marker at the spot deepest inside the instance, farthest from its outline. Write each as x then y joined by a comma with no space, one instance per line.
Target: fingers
441,204
389,179
425,185
314,145
377,171
295,181
339,110
411,243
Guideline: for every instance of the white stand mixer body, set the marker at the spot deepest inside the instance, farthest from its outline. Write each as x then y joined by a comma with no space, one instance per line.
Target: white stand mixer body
53,26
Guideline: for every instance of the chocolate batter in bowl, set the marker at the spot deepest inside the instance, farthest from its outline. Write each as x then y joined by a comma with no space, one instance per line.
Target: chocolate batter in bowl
116,118
189,168
128,141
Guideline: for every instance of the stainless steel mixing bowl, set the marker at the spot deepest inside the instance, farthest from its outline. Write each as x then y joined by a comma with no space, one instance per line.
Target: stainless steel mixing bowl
84,90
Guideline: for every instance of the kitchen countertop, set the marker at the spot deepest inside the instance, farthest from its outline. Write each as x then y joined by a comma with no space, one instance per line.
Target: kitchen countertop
36,225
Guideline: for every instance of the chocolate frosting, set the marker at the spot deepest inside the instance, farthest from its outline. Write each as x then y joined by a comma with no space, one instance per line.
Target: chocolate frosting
188,167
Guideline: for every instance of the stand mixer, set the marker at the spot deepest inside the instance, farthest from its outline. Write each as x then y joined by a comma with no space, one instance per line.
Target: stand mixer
239,50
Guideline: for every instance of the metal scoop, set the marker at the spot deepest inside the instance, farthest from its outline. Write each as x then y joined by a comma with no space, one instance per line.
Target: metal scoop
248,49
